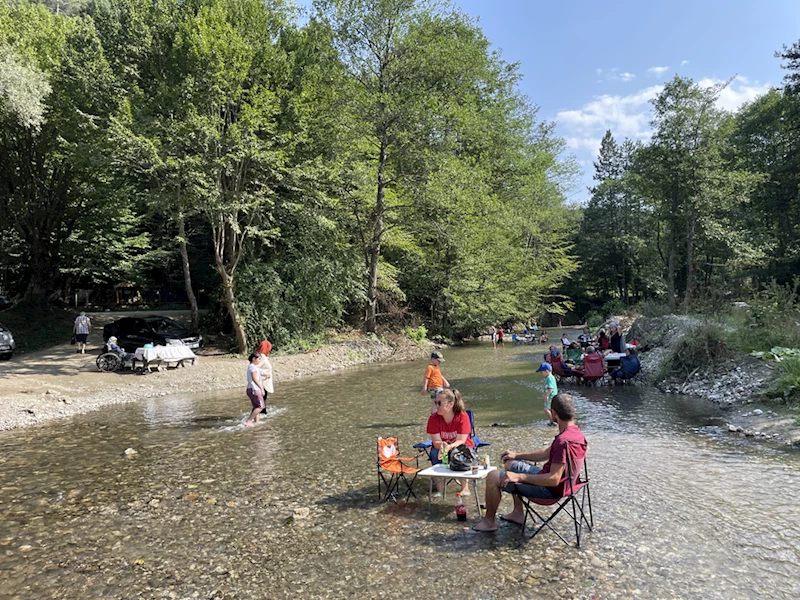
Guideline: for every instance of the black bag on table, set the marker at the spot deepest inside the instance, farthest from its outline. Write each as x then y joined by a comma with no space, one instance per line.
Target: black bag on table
462,458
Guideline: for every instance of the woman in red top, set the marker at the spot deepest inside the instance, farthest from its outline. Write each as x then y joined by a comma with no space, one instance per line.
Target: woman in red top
448,428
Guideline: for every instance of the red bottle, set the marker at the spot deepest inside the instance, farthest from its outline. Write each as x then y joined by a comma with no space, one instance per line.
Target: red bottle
461,509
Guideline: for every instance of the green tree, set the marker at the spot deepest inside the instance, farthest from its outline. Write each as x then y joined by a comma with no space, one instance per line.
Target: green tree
55,170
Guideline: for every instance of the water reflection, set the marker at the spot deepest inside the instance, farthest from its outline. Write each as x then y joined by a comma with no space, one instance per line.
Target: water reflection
211,509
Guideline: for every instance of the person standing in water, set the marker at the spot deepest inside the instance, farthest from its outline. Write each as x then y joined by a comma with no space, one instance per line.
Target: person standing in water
255,389
264,348
434,382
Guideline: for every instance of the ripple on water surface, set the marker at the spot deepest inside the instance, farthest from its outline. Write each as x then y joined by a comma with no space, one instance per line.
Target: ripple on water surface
207,508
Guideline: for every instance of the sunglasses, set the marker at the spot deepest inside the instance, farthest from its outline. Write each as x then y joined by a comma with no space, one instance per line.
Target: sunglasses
440,402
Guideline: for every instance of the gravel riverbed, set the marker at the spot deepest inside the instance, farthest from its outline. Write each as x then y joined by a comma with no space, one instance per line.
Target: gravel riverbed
57,383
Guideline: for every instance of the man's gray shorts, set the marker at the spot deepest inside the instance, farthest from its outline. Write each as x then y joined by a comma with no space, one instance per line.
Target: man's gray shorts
525,489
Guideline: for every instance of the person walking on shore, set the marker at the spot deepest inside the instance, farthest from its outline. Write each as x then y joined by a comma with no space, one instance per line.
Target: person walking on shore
82,328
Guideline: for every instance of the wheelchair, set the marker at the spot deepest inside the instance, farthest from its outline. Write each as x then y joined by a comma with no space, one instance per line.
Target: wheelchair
109,361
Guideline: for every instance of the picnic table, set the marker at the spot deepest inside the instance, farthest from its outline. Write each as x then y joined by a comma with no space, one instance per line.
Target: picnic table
160,357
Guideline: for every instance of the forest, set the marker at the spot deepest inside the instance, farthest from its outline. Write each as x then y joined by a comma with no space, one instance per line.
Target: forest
373,164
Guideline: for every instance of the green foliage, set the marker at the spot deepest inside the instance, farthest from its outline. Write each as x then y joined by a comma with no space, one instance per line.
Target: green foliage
418,335
786,383
613,307
699,349
594,319
778,354
652,308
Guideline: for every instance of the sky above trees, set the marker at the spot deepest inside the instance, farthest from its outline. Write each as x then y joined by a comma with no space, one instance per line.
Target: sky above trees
593,67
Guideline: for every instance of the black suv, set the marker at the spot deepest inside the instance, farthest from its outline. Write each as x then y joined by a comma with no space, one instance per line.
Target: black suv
135,332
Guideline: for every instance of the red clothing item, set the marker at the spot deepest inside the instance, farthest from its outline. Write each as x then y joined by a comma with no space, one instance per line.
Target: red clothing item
558,454
450,431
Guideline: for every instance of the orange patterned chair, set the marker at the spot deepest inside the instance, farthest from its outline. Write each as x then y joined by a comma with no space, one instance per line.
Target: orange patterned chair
392,471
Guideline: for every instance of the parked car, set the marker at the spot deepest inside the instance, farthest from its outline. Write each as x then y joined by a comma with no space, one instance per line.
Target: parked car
7,343
135,332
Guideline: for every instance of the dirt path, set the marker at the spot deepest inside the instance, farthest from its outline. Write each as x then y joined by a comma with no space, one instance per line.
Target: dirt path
58,382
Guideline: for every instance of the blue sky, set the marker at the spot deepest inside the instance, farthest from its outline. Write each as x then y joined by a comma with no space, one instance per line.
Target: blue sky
592,66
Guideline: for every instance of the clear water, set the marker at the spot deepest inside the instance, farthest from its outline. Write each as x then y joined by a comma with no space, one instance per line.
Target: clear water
203,509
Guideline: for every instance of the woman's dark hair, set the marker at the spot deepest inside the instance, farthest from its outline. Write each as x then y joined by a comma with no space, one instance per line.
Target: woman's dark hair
632,351
602,333
454,396
564,405
252,356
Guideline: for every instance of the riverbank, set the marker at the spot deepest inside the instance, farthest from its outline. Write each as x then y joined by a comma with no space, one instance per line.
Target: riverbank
738,384
56,383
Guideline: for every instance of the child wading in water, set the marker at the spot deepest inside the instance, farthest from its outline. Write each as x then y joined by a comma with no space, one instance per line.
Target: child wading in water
434,382
550,390
255,389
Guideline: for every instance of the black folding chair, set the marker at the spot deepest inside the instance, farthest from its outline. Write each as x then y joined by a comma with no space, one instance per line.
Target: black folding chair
576,501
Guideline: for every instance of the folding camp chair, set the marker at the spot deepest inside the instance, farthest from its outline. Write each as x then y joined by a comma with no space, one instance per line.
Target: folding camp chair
593,368
576,501
558,370
392,469
575,355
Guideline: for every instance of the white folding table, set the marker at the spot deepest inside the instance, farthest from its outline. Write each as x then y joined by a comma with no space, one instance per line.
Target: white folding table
442,471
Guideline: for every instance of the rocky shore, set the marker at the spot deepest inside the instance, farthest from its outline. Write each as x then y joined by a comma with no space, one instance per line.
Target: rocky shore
58,383
735,383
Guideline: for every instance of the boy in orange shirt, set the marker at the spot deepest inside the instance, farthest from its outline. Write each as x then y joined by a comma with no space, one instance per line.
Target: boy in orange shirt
434,381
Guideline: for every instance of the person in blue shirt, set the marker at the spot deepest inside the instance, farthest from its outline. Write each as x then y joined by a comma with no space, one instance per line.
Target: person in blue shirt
113,347
629,366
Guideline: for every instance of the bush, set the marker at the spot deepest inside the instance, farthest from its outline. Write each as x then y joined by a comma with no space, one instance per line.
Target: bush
787,381
613,307
768,320
699,348
594,319
419,335
652,308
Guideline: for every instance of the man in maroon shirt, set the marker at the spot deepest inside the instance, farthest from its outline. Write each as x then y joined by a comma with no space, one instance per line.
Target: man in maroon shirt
522,477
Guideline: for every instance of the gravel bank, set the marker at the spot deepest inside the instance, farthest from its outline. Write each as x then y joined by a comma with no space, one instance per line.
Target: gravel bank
58,383
735,384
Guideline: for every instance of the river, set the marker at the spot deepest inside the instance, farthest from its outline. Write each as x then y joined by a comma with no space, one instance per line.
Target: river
202,509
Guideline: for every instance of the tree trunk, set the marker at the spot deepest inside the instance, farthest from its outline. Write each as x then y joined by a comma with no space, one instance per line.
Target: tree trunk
690,224
371,321
225,265
673,241
187,274
229,300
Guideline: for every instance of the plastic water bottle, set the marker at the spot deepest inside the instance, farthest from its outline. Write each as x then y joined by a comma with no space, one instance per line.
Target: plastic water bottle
461,508
445,458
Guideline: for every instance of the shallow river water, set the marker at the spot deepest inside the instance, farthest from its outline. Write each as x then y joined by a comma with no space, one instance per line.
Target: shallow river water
203,509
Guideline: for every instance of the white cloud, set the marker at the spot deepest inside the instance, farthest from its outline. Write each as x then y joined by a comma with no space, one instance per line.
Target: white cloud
614,74
625,116
737,93
684,62
628,116
657,71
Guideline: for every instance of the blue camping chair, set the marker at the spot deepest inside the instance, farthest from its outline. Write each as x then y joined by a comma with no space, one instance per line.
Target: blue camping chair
478,443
